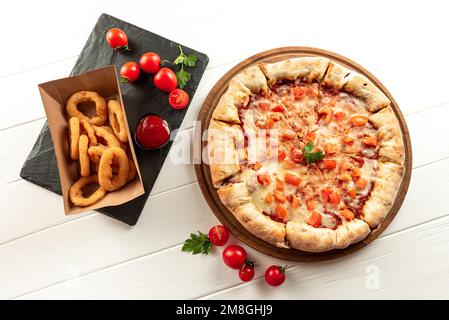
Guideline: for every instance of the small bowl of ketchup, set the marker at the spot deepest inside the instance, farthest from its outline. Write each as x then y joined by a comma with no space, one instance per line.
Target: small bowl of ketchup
152,132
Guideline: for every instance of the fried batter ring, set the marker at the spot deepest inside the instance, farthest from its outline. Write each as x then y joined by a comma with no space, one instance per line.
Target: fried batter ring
117,120
89,131
95,153
74,136
76,193
107,135
83,96
83,156
108,181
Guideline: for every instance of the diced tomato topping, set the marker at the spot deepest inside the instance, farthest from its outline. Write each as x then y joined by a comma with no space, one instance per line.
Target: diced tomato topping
264,179
359,121
292,179
281,212
334,198
328,115
345,177
279,196
269,123
296,155
339,116
329,164
314,219
289,197
276,116
287,135
269,198
281,155
361,183
348,214
295,202
299,92
348,140
370,140
309,137
355,172
352,193
264,106
280,185
313,90
330,148
257,166
311,203
278,108
325,192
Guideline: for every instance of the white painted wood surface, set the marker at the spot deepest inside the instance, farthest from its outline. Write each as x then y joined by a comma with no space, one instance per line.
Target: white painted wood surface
44,254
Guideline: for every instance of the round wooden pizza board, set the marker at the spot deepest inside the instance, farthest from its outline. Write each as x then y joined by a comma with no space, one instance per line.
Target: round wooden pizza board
227,218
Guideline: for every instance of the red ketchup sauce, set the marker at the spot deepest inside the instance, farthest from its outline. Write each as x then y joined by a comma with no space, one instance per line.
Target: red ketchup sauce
152,132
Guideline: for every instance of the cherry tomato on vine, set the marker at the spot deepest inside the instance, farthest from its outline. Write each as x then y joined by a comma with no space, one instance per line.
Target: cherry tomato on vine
218,235
234,256
130,71
117,39
150,62
246,273
178,99
275,275
165,80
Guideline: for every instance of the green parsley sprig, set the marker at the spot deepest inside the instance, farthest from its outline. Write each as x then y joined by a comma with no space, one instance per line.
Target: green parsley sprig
310,156
184,60
197,243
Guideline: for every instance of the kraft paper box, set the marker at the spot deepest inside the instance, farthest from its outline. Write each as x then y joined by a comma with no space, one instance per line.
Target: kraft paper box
54,96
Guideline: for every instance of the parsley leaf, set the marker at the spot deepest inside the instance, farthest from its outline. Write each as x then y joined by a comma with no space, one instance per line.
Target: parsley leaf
190,60
197,243
183,77
312,156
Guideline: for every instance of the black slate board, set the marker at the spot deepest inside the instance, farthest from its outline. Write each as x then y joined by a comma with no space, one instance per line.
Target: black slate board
139,98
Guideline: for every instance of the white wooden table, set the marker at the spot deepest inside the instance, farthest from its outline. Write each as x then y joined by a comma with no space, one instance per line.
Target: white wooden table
44,254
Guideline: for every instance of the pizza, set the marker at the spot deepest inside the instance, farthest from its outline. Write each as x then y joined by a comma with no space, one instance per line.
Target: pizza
306,153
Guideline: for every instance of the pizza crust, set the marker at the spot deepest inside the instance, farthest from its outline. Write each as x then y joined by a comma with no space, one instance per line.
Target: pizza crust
260,225
386,186
253,78
336,76
227,108
351,232
303,237
361,87
391,143
234,195
310,68
223,160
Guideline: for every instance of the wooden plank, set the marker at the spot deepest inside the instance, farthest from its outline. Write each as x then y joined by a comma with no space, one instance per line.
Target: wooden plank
409,264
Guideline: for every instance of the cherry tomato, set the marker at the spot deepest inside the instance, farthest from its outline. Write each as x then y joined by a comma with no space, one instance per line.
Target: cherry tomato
130,71
275,275
218,235
165,80
117,39
234,256
247,271
150,62
178,99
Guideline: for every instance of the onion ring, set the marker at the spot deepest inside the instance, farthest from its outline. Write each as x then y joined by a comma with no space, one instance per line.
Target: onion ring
74,136
107,135
83,156
117,121
89,131
83,96
76,193
95,153
108,181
